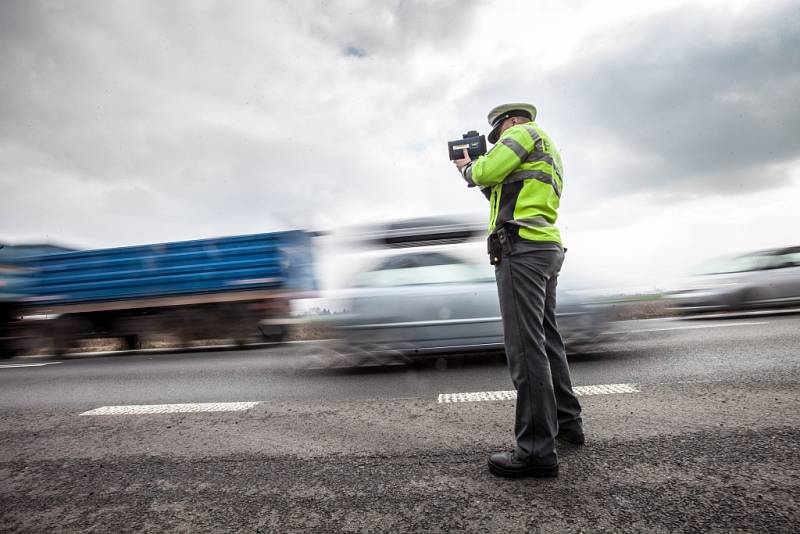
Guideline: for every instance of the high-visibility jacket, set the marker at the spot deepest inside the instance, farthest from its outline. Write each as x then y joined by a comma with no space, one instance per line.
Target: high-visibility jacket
524,173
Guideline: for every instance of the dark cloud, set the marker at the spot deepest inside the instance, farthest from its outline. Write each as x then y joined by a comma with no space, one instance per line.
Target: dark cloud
682,103
703,100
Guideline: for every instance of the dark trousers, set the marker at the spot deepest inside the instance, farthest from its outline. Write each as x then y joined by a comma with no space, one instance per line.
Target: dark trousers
527,276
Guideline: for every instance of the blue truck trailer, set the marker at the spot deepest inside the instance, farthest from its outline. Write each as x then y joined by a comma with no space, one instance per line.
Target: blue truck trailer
235,288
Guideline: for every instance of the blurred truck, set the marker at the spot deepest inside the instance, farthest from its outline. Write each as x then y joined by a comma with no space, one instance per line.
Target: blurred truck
234,288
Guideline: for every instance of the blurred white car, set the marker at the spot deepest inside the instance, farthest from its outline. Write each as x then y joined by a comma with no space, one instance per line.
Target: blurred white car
765,278
443,300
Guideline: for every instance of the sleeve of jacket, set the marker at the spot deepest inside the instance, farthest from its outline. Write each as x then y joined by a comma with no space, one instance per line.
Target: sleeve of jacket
511,150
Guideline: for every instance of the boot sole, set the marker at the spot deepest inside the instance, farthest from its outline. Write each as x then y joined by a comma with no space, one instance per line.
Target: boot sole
547,471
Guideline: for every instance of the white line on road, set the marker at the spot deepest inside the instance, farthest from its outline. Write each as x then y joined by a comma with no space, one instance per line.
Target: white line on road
172,408
605,389
580,391
15,365
690,327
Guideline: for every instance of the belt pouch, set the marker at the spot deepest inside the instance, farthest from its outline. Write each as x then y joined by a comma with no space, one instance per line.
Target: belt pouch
495,249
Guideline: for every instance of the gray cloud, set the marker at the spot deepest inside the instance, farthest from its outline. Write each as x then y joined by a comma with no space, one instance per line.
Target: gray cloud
681,103
704,101
388,29
200,115
144,121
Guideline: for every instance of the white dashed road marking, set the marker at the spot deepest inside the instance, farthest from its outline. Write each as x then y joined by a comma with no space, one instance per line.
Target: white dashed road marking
172,408
580,391
478,396
15,365
605,389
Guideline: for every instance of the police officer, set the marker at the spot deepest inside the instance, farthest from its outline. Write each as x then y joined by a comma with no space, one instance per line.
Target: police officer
522,176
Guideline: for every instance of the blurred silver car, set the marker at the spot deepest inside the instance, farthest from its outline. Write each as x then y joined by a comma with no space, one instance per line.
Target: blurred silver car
765,278
443,300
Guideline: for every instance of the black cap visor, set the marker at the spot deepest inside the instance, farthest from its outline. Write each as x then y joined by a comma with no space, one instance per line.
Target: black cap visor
494,135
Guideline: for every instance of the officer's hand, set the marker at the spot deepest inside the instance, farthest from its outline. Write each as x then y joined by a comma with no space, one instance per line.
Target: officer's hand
460,163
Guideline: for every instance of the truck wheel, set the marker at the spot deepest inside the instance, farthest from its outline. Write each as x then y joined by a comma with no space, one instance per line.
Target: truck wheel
131,342
7,352
274,334
245,334
66,331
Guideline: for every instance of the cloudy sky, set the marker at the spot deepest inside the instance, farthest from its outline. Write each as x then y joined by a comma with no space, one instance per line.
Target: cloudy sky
133,121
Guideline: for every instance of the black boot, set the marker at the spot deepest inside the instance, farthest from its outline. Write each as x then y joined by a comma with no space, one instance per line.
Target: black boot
506,464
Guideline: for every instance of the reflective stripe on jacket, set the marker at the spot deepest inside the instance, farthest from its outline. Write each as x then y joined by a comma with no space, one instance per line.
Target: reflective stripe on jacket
524,172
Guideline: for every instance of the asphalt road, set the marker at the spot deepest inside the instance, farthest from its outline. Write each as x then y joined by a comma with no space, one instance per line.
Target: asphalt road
707,440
